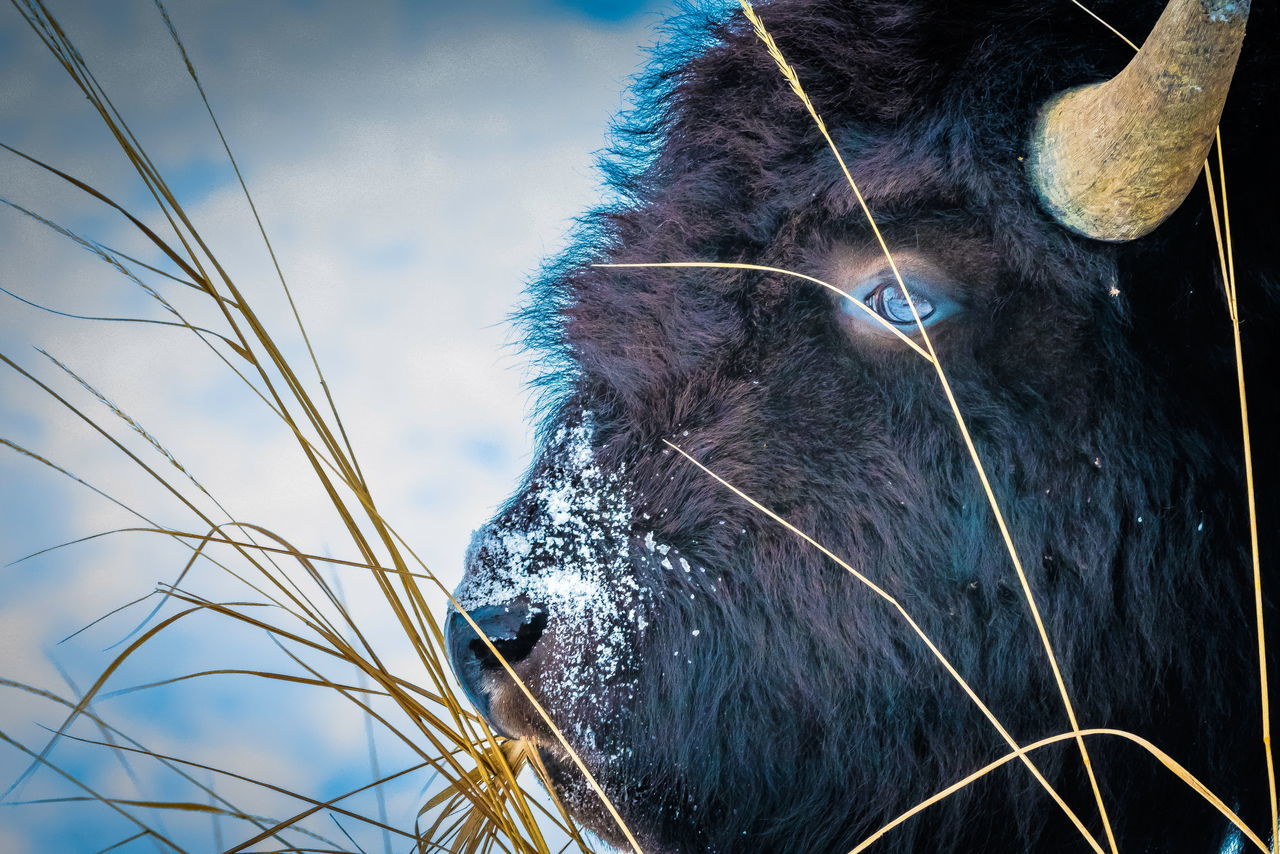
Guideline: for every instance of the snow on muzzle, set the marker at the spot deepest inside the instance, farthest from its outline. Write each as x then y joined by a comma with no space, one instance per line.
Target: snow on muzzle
549,582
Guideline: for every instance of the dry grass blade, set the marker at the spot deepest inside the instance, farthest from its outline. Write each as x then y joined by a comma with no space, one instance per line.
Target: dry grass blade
261,674
331,804
198,550
793,79
1227,269
94,795
102,319
214,797
142,834
1163,758
467,830
729,265
920,633
262,231
179,806
1226,258
127,419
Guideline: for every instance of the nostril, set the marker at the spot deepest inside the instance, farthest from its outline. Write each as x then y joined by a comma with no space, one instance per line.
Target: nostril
513,638
513,630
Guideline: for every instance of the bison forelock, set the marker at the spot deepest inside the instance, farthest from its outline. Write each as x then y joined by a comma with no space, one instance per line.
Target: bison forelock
730,687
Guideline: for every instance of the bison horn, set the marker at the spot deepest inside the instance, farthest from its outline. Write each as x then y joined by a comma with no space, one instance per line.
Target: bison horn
1113,160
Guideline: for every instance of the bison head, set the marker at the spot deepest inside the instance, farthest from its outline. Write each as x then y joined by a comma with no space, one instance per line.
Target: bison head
730,686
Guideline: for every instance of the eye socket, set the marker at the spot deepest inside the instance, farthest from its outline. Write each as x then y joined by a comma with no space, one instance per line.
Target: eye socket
884,297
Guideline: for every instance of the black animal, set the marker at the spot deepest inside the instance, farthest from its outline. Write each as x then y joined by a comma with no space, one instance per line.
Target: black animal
733,689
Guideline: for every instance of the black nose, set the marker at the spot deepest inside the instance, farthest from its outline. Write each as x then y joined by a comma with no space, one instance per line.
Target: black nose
513,630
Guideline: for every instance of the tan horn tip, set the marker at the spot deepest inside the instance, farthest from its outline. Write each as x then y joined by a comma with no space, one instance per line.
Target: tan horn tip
1113,160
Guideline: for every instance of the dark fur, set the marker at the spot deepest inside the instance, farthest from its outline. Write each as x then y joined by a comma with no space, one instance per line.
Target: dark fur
808,714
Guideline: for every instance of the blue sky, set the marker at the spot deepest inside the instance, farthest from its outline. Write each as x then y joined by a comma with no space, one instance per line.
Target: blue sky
413,162
606,10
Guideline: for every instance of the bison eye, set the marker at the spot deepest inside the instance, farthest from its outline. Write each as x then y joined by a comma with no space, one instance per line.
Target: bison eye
878,300
889,302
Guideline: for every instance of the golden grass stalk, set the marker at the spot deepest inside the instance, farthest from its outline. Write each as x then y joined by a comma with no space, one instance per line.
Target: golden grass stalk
1163,758
1227,269
915,627
733,265
1226,259
1020,752
793,79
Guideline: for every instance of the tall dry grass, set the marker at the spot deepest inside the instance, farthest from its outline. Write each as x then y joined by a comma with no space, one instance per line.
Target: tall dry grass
478,798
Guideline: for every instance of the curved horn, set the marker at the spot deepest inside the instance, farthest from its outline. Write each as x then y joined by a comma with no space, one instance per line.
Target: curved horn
1112,160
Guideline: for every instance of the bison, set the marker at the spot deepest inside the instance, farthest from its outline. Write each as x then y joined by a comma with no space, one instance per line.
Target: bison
730,686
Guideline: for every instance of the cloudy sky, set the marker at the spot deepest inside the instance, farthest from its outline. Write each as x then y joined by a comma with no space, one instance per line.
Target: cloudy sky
413,162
